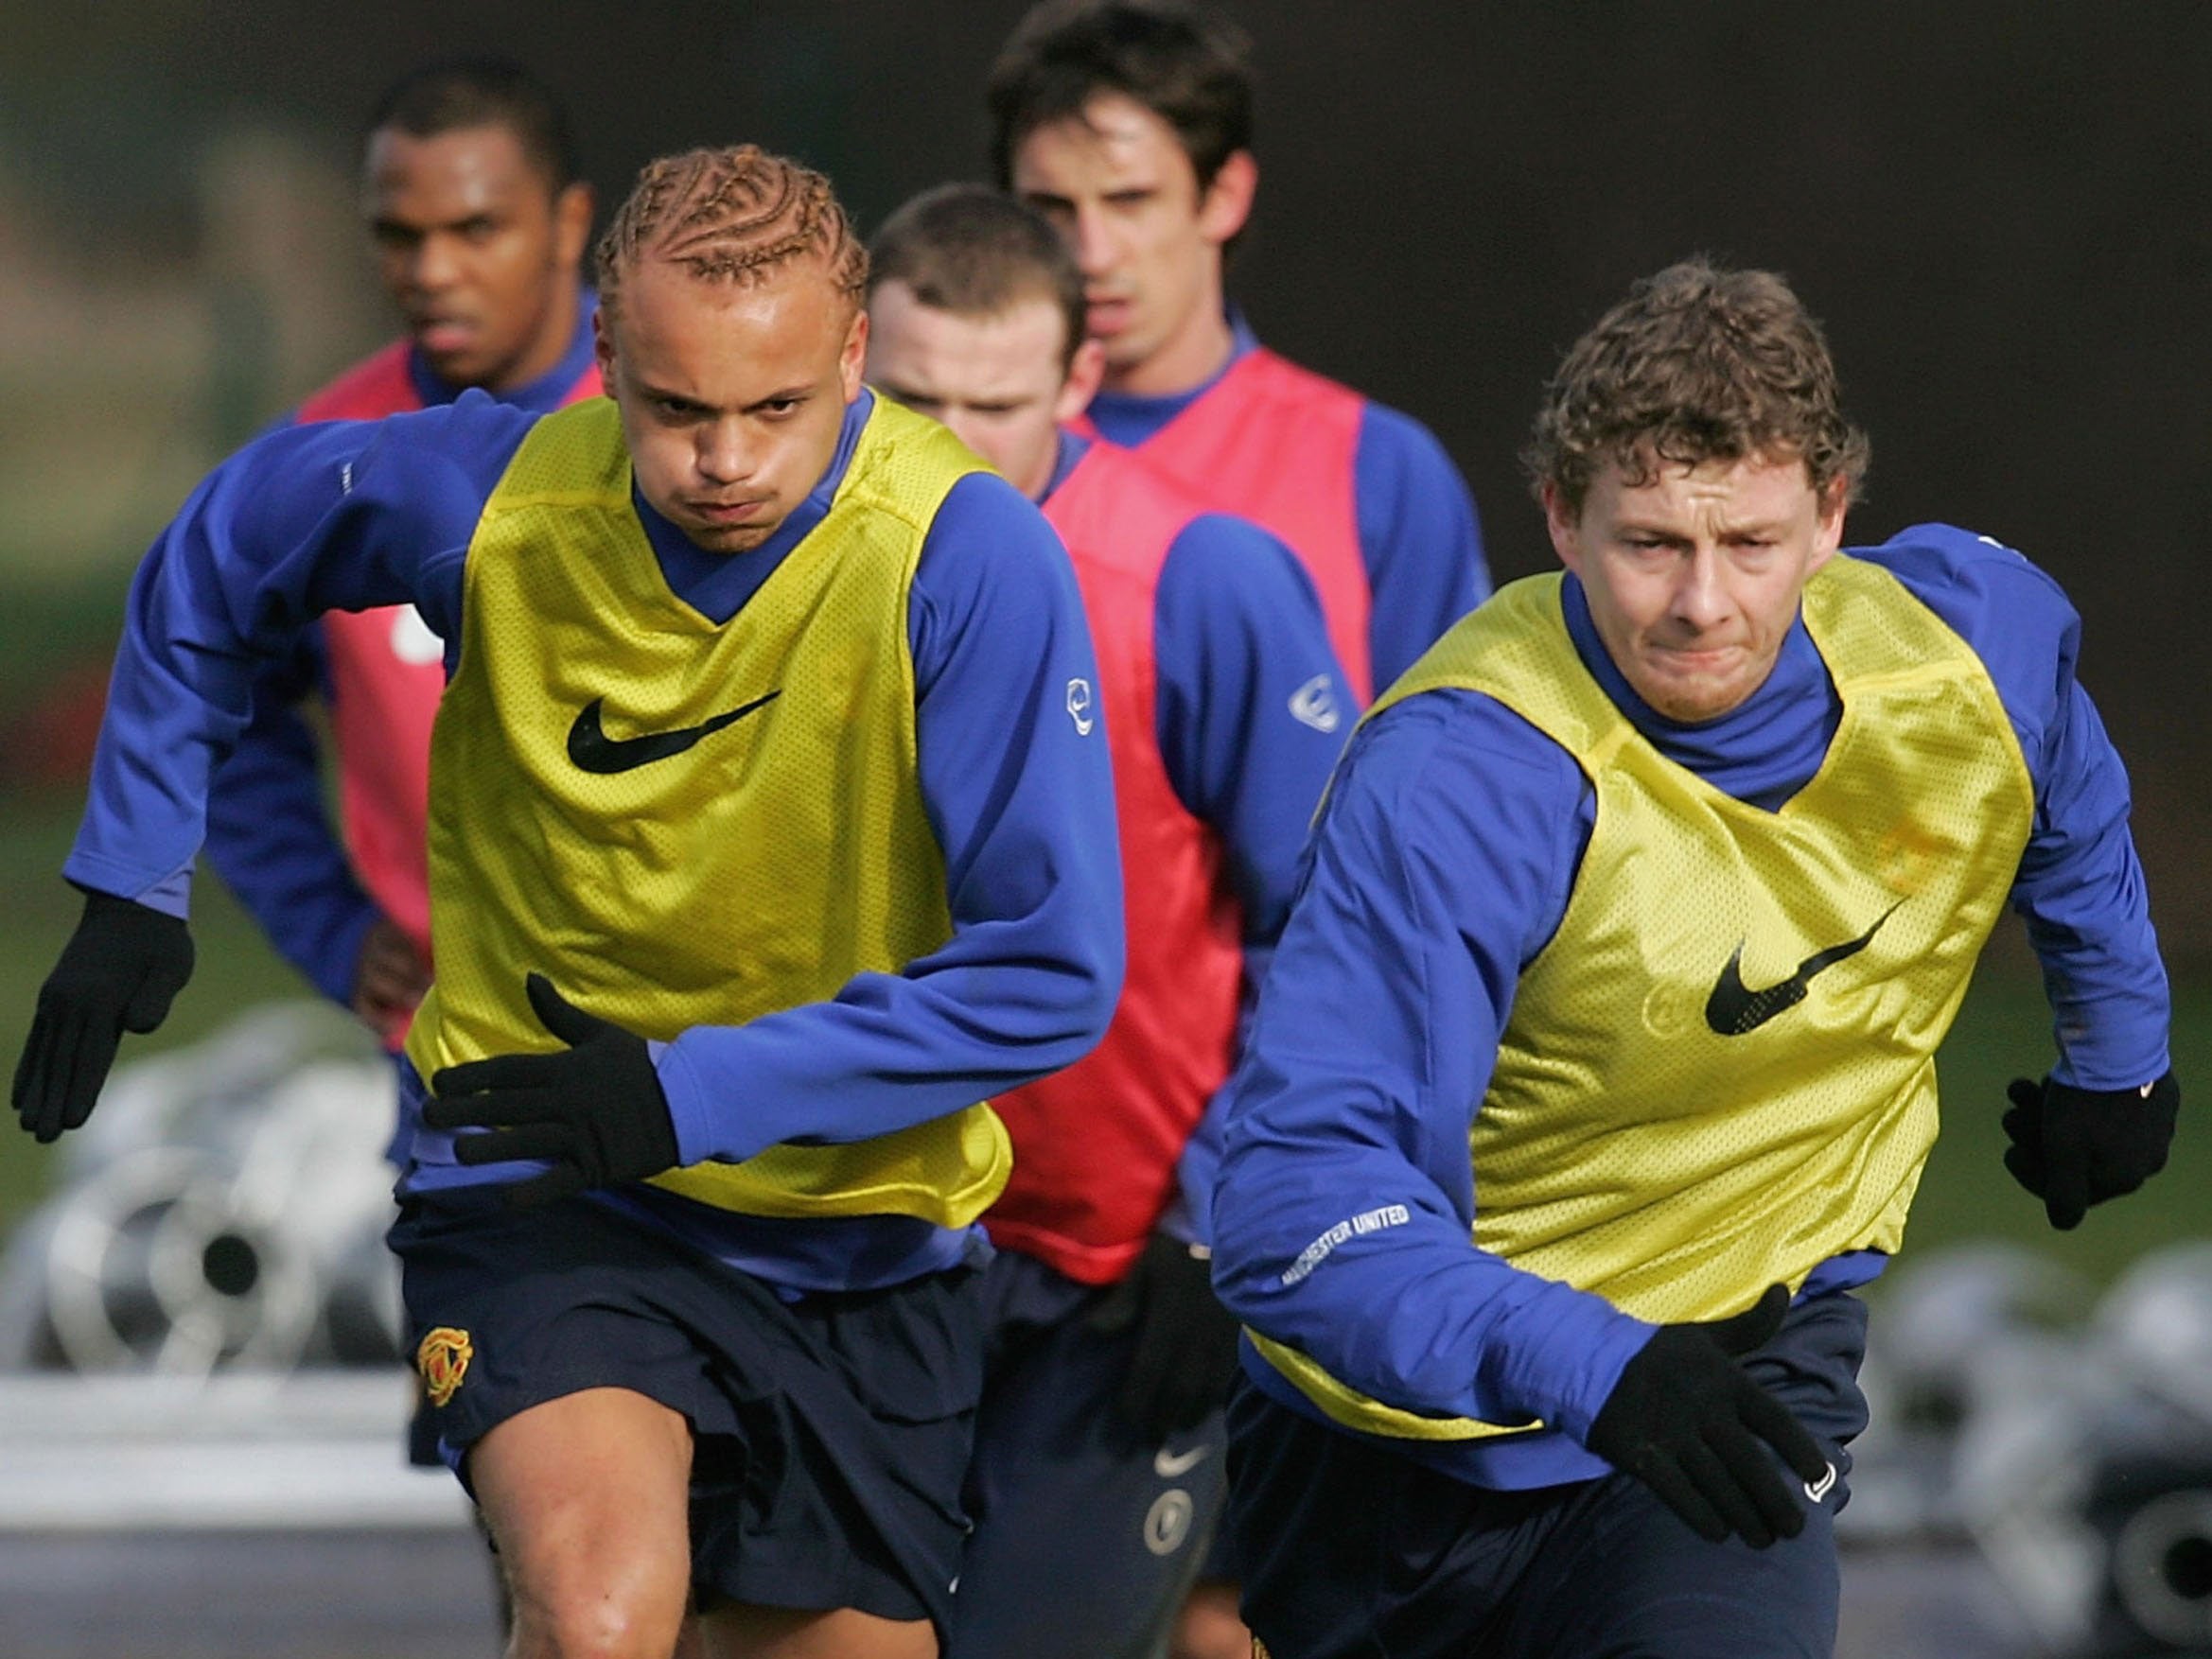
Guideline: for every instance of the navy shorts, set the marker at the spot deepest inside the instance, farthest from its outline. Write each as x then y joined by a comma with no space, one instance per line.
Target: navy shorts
1086,1537
1348,1549
831,1432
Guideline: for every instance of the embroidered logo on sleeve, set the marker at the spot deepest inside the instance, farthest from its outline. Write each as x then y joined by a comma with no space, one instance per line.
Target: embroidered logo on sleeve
1314,704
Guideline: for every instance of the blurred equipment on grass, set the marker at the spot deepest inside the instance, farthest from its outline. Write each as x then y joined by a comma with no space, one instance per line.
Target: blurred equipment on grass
223,1209
2065,1437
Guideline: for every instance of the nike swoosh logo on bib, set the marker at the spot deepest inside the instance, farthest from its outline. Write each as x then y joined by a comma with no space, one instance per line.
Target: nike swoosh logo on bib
591,750
1735,1009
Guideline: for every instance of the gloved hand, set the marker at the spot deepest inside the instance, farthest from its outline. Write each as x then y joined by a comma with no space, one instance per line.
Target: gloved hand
1686,1420
1185,1351
120,972
2073,1147
596,1111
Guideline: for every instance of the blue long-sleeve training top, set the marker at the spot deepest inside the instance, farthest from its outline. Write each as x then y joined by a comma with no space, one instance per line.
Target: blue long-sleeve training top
1442,864
347,515
1419,537
270,835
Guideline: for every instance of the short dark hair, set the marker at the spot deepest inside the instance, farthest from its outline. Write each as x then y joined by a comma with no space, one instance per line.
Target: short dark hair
1698,363
461,94
972,250
1190,67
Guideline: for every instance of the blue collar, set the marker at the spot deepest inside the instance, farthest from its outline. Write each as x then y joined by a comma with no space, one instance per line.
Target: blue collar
717,585
1763,750
1129,418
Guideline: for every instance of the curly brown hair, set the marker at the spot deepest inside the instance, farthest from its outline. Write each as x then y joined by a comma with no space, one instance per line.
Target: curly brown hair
1698,363
733,215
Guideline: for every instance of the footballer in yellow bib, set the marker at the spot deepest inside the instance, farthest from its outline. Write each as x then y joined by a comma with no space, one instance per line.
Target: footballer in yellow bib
653,768
1596,1069
763,852
1719,1146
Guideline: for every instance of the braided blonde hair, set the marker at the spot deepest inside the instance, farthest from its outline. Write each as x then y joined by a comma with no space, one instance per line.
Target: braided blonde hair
735,215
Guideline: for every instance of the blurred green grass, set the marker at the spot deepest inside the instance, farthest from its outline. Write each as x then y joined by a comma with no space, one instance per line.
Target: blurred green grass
2002,1032
236,968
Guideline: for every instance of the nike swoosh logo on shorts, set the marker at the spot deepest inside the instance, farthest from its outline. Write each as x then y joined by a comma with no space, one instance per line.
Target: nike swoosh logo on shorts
1168,1465
591,750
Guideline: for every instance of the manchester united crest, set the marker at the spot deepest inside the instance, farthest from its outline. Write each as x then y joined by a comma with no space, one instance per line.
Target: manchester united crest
443,1357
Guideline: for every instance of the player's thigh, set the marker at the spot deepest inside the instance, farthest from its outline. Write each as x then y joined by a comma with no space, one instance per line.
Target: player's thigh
1350,1550
1208,1625
1623,1578
733,1632
1085,1537
587,1497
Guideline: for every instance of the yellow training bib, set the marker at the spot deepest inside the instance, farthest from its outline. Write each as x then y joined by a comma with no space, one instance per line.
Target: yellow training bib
688,823
1720,1070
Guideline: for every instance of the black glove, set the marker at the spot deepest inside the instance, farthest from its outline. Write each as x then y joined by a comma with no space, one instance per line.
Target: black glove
596,1111
2073,1147
1686,1420
1186,1349
120,972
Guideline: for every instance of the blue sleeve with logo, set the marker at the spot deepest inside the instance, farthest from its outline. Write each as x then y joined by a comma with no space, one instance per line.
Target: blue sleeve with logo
1251,704
1252,714
1019,793
340,515
1418,537
269,834
1437,870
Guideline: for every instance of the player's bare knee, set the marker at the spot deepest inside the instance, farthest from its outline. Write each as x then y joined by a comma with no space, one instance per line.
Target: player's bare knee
732,1630
587,1622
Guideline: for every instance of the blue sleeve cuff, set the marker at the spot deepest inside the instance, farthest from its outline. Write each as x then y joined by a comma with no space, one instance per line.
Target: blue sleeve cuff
2109,1081
1562,1355
689,1110
170,894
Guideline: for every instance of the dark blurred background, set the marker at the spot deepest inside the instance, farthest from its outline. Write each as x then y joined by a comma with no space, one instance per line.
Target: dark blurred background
2002,212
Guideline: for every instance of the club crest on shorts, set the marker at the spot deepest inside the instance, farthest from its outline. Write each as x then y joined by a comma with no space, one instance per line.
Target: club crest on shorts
441,1357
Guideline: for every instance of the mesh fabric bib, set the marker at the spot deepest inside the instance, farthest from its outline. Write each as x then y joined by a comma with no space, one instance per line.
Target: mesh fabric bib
1720,1070
688,823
